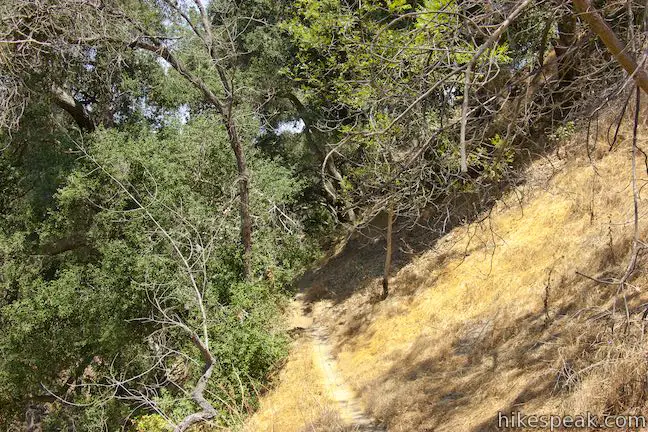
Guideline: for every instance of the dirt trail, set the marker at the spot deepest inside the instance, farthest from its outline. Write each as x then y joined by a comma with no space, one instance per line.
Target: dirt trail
348,405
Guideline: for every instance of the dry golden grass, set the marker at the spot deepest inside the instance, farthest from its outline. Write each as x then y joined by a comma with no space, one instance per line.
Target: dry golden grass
304,398
298,399
495,318
466,332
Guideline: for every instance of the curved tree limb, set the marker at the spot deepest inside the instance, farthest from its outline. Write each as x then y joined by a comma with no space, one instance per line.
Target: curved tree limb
73,107
225,112
198,394
315,147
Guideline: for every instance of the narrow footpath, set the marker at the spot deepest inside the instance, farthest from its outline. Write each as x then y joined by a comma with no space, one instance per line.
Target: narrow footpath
348,405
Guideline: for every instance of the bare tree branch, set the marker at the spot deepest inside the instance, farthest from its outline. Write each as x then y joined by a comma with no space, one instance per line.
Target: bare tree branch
468,75
612,42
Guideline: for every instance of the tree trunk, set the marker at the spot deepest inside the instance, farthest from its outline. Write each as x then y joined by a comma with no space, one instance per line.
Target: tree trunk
565,61
321,154
388,254
33,418
244,196
225,111
519,8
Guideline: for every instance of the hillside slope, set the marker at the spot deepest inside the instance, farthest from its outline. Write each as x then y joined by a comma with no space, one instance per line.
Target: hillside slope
494,317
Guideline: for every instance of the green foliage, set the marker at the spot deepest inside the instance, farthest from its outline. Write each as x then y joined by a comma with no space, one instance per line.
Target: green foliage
563,132
151,423
494,160
367,66
74,308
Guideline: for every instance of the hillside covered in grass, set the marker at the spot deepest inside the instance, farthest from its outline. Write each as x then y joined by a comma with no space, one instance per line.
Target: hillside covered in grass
499,315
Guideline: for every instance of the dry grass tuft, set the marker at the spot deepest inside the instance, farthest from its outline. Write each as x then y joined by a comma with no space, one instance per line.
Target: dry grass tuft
329,421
